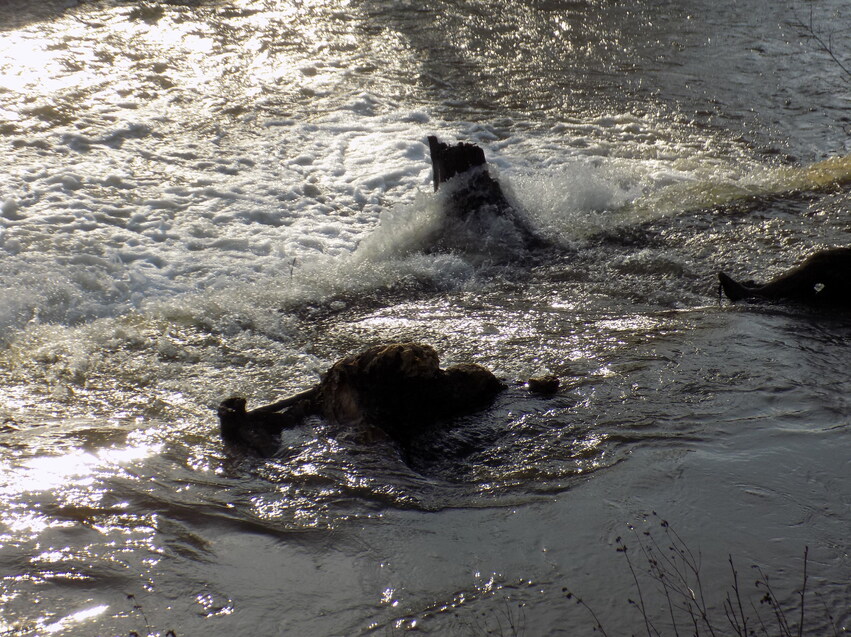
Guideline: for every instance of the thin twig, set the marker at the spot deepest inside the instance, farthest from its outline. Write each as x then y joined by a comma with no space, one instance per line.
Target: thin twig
803,591
829,618
647,624
826,47
693,564
590,610
759,617
771,600
738,596
658,574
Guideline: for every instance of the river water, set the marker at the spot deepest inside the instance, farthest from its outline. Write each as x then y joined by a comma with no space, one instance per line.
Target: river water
204,199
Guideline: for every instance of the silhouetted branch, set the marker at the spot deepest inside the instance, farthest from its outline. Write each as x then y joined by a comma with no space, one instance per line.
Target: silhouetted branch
676,569
825,46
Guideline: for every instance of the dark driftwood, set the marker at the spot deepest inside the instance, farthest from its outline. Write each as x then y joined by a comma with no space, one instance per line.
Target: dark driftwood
399,388
824,279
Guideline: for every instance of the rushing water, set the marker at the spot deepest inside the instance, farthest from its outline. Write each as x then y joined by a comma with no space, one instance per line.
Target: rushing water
203,199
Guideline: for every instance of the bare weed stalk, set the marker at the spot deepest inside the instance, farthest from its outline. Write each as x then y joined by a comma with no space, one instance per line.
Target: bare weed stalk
678,593
137,608
588,609
823,41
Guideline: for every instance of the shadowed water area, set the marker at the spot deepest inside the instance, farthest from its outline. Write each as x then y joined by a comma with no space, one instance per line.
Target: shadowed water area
207,199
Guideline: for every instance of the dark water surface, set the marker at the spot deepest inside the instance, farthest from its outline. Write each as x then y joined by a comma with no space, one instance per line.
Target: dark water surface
212,198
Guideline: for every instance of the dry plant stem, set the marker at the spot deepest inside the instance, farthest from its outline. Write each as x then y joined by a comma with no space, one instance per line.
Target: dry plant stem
759,617
693,565
678,567
803,592
769,598
658,574
676,571
830,618
680,585
739,598
641,607
731,616
685,563
510,618
590,610
826,47
740,623
138,608
669,602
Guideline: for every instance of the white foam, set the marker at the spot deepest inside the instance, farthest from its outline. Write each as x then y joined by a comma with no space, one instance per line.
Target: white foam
9,209
154,214
351,188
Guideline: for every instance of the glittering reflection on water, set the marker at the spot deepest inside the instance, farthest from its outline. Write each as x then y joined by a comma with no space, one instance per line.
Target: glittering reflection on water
171,59
65,529
48,473
68,622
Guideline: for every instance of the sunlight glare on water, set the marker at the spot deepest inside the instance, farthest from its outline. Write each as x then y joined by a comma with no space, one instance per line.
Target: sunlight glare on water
50,472
31,66
75,477
76,618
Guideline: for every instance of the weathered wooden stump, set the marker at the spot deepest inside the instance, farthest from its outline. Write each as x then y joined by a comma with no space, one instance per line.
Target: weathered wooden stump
476,198
448,161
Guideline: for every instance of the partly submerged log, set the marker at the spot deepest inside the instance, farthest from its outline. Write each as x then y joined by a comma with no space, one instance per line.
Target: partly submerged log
476,206
823,280
399,388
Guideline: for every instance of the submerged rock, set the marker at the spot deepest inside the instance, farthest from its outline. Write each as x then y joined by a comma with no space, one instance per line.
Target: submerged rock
543,385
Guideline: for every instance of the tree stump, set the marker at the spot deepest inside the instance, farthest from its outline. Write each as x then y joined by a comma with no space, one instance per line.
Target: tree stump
448,161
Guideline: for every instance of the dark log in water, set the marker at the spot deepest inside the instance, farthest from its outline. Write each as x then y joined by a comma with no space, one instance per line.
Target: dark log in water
823,280
399,388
